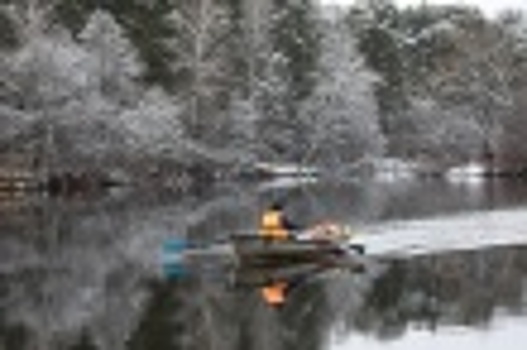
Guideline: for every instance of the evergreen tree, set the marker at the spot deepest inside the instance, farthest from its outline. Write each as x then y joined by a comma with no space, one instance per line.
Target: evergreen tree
206,65
379,44
116,63
143,22
8,34
342,110
288,79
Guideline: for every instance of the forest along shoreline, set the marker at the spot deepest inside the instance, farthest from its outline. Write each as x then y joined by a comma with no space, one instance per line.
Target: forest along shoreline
22,174
89,100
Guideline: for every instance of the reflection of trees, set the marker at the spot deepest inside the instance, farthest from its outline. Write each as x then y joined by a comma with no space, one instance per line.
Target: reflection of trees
157,328
186,314
193,313
14,337
306,318
373,201
72,274
461,288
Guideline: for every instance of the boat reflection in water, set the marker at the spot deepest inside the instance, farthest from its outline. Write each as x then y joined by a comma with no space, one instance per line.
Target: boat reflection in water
275,269
322,308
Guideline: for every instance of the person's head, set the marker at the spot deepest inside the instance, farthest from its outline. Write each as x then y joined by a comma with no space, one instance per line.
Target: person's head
276,206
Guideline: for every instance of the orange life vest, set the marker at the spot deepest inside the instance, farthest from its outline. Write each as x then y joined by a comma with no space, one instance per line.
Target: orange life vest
271,225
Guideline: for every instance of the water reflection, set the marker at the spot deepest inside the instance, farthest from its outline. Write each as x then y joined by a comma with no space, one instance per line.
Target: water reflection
462,288
273,269
503,333
427,294
388,300
86,275
202,311
371,201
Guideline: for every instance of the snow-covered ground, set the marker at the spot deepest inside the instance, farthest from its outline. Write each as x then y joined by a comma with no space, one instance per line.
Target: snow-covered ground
392,170
475,231
472,173
286,169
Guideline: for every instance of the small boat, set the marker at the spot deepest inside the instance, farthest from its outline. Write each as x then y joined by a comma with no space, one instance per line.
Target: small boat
254,250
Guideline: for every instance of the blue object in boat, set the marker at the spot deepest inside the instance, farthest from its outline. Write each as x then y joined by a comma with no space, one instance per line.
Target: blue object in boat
172,263
175,245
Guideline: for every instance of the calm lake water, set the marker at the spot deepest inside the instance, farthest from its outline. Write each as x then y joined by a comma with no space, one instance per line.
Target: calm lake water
89,274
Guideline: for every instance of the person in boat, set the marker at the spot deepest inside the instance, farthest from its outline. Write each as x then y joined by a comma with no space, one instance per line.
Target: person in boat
274,224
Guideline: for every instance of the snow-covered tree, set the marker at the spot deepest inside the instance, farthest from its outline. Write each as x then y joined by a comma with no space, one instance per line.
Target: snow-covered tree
479,77
446,71
512,145
375,22
76,102
287,79
202,46
144,23
152,127
8,33
47,80
437,135
242,130
343,110
115,62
